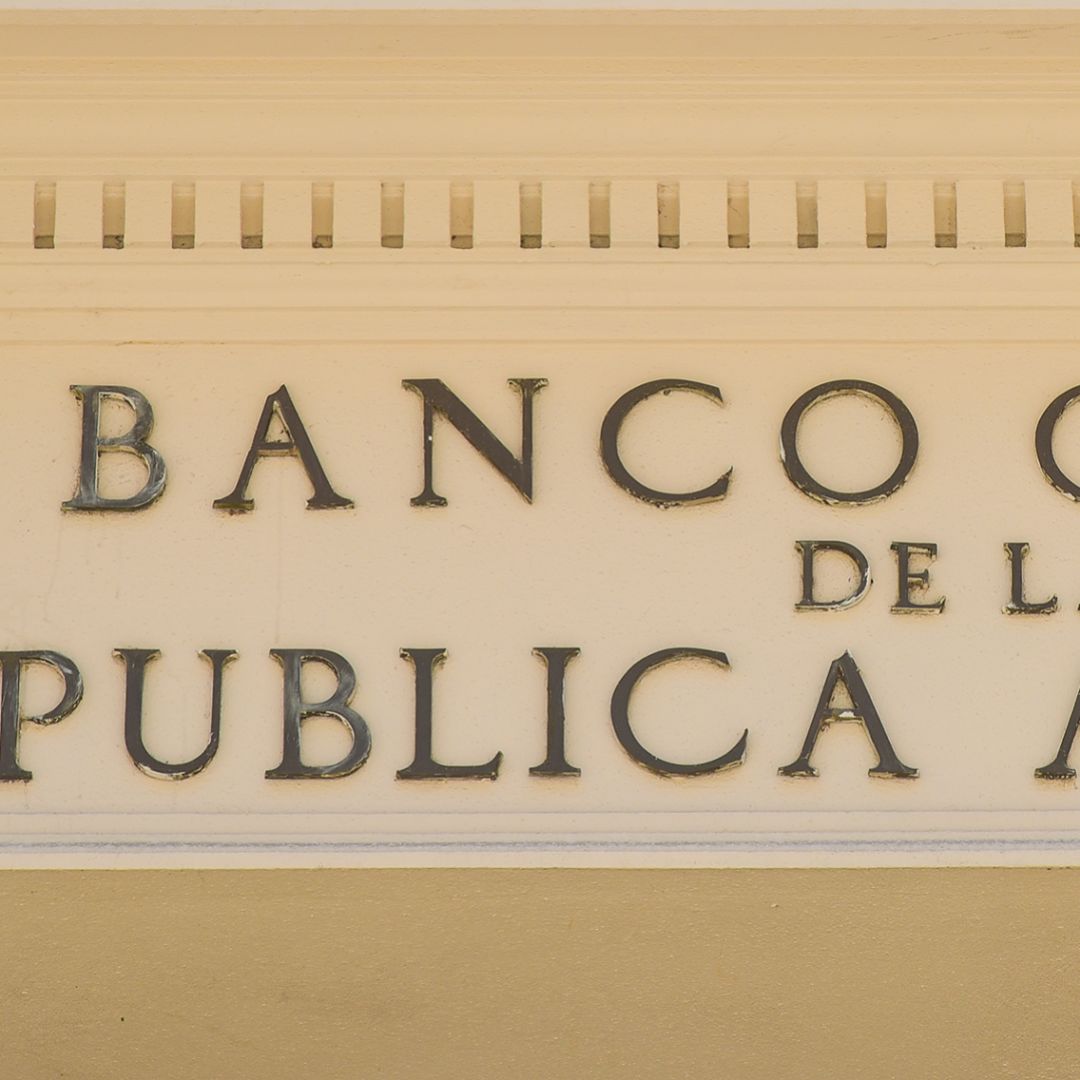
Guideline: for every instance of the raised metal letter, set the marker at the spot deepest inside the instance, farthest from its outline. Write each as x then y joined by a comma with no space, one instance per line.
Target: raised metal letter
620,716
135,661
439,398
808,549
296,711
609,445
93,445
909,579
1017,605
11,720
844,672
424,766
1044,443
1059,768
296,442
789,452
555,763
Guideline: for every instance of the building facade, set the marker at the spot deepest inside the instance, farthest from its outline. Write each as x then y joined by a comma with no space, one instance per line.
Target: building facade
245,233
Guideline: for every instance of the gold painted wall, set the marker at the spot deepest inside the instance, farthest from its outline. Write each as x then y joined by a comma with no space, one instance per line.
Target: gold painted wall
555,974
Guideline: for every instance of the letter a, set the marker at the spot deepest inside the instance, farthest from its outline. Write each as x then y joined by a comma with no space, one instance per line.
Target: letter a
296,441
844,672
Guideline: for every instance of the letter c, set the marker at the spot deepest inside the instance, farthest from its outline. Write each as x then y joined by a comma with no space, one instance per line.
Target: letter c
1044,444
609,445
620,716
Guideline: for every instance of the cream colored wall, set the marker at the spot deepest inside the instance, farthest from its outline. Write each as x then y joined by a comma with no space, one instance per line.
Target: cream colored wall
764,974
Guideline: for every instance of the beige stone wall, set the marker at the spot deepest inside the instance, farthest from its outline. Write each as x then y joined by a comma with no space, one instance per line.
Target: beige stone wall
746,974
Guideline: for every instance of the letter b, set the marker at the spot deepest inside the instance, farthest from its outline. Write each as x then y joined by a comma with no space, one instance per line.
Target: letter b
88,495
296,711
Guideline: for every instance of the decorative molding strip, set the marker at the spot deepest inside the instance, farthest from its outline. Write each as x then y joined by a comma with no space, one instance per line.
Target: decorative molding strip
676,840
496,212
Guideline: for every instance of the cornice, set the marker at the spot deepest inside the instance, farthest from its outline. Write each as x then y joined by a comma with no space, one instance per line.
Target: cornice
706,104
584,44
562,93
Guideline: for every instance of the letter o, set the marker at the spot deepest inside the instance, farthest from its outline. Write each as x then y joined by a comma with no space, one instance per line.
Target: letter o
1044,444
801,478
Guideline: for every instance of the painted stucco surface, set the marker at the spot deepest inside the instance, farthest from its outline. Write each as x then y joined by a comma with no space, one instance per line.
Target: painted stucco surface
151,159
875,974
880,975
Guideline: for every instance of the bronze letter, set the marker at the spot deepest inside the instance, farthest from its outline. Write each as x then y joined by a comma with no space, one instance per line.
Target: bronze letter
135,661
620,716
1044,443
93,445
844,672
296,711
11,719
914,579
439,398
808,549
1059,768
1017,605
296,441
609,445
555,763
424,766
789,451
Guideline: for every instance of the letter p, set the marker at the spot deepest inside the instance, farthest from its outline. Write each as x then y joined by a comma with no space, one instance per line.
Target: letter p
11,718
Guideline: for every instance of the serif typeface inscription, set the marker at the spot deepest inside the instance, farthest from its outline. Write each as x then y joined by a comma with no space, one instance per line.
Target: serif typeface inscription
281,431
